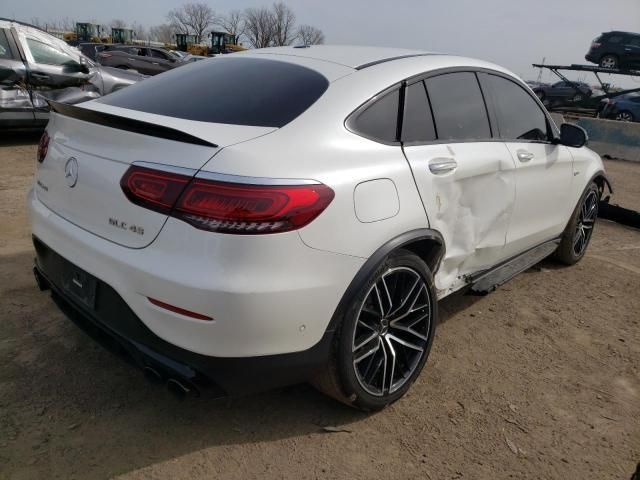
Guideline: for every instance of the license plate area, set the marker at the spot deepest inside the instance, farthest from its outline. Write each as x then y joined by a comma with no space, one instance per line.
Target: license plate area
79,285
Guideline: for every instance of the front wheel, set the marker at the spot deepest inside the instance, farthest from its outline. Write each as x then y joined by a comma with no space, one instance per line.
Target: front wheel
385,337
579,230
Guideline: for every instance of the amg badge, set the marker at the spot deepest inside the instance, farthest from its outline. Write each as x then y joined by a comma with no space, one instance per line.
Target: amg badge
114,222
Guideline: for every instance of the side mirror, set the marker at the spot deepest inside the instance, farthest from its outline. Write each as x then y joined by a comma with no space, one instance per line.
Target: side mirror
573,136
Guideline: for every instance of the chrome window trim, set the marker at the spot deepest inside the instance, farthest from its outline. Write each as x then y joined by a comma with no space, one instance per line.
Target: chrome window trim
224,177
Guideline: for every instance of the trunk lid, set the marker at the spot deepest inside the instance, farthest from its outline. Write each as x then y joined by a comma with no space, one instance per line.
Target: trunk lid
102,147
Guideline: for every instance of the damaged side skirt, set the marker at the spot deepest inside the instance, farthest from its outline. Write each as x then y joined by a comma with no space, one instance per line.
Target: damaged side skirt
618,214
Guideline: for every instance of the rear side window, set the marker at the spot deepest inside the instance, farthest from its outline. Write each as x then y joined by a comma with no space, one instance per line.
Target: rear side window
417,125
379,120
519,116
239,91
459,110
615,39
635,41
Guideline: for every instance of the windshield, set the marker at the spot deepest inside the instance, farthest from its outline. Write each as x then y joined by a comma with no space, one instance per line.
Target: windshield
239,91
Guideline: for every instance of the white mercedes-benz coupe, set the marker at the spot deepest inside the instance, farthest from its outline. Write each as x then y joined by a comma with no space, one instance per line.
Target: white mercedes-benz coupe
296,213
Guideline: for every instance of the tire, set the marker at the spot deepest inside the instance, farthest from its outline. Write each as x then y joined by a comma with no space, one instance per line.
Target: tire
625,116
365,337
581,224
609,61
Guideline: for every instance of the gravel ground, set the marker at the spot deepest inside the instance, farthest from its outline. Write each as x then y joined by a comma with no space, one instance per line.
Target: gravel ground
540,379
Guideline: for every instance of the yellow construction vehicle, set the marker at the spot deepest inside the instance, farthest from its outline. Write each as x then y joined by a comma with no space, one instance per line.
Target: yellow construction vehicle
84,33
224,42
122,35
188,43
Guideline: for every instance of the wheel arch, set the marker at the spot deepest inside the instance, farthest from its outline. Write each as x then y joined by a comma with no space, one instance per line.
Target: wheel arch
426,243
600,178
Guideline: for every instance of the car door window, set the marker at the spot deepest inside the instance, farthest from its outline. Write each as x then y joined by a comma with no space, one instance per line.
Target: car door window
157,54
635,42
5,50
48,54
459,110
378,121
519,116
417,125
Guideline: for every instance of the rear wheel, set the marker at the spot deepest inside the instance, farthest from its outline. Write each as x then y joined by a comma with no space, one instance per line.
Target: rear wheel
385,337
625,116
609,61
577,235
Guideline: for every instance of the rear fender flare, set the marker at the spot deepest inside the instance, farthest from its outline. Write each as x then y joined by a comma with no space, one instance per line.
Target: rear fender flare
411,239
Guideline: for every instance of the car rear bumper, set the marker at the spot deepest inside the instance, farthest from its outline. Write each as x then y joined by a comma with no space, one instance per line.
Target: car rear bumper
267,295
113,324
590,58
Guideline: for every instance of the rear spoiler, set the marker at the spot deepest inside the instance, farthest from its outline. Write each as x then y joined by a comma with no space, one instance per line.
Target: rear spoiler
128,124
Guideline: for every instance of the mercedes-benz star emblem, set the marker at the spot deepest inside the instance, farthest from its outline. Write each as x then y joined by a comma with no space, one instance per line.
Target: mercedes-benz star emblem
71,172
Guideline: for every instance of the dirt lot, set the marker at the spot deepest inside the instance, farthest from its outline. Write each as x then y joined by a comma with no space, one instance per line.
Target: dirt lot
540,379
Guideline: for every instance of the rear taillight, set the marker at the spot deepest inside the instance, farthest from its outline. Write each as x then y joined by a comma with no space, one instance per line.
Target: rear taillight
43,147
226,207
153,189
595,45
105,55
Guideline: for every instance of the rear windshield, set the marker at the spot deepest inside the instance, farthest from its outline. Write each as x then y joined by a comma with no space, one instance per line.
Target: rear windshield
239,91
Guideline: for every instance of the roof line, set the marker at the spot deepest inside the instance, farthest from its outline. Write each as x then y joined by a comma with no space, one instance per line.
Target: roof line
25,24
300,56
389,59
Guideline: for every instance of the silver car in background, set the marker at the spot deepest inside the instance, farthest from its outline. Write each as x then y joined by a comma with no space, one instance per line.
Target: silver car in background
36,67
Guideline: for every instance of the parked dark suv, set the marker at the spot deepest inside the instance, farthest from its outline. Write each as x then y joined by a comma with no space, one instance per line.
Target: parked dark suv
615,50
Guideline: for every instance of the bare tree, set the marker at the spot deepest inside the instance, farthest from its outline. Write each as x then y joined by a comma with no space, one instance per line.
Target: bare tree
192,18
284,21
164,33
139,31
259,27
233,23
310,35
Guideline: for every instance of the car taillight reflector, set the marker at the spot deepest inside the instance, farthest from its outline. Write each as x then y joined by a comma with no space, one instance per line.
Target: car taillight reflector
225,207
595,45
43,147
181,311
105,55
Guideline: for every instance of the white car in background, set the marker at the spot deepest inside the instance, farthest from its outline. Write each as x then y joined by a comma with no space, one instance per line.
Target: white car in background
303,225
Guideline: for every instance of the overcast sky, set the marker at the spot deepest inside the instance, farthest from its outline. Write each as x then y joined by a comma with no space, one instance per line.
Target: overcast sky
513,33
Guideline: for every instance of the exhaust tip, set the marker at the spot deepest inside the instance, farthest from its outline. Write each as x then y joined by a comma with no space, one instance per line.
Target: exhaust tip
179,388
152,375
